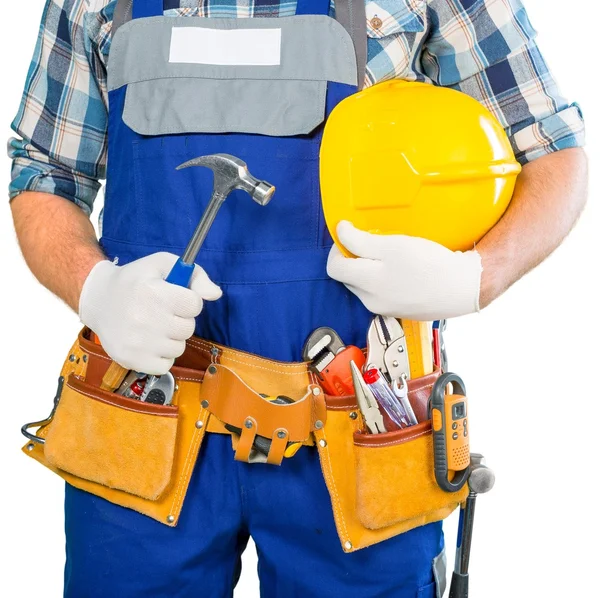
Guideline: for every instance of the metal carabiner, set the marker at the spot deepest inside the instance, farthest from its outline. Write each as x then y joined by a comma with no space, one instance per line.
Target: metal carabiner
25,429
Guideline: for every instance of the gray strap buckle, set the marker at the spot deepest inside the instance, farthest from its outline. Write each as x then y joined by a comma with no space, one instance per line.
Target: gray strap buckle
25,429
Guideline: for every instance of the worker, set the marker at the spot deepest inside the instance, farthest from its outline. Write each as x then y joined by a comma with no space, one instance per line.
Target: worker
269,276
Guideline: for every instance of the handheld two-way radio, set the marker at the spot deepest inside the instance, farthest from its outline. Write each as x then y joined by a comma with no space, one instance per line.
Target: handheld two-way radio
450,433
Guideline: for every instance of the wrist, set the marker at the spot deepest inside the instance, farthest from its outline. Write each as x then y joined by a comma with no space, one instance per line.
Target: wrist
491,281
90,291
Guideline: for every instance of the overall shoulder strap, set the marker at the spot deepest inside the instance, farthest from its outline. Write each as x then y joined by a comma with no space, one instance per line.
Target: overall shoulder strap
121,15
147,8
352,15
125,10
312,7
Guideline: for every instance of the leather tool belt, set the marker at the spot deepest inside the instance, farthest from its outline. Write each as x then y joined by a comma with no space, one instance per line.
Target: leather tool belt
380,485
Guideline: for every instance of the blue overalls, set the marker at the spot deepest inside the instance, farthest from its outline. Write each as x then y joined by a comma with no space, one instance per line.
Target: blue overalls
271,264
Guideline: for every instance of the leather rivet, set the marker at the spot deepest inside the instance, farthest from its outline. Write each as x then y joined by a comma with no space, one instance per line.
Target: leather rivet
72,358
214,352
400,349
281,435
316,391
85,358
212,370
318,425
30,447
204,404
348,545
376,22
395,364
248,424
170,519
322,443
199,424
353,415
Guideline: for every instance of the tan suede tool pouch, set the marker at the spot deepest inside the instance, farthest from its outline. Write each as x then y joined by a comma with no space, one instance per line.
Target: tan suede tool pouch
134,454
104,437
381,485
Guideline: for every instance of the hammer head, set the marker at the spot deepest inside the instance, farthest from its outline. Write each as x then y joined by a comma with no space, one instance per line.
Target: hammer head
232,173
482,479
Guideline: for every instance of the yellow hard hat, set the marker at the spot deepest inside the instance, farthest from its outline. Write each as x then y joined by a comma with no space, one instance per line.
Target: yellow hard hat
415,159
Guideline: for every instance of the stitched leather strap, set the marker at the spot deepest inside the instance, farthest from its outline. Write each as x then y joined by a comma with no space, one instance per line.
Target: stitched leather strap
231,400
278,446
246,441
251,372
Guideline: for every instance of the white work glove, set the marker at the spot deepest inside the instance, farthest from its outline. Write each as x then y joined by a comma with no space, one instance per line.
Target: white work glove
407,277
141,320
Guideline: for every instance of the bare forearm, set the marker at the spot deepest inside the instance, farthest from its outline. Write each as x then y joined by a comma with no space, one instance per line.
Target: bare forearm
58,242
549,196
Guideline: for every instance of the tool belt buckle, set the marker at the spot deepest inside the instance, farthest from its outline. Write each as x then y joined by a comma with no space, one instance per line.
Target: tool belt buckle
261,427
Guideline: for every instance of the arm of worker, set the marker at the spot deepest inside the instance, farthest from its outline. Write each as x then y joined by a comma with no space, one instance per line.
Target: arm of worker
58,242
142,320
58,159
417,279
487,50
549,197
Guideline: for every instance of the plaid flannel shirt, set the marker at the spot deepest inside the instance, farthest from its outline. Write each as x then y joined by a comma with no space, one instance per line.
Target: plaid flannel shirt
485,48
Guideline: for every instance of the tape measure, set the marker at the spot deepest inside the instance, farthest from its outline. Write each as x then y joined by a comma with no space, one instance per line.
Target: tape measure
418,346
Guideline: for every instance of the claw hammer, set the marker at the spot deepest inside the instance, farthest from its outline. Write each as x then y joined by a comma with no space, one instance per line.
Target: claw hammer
481,480
230,173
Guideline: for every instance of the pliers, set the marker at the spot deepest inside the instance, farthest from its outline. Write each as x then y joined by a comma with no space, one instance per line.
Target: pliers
386,348
387,351
367,402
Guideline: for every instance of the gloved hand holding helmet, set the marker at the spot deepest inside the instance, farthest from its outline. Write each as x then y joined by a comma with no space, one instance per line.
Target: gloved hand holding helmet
142,320
407,277
418,201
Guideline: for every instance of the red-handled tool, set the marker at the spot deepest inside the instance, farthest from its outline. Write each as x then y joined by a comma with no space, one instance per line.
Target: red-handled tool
330,360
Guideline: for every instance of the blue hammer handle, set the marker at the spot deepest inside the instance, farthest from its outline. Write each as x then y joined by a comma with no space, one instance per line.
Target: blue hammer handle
181,274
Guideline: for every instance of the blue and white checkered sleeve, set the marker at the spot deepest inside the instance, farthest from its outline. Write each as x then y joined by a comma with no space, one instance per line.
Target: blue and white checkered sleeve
62,119
487,49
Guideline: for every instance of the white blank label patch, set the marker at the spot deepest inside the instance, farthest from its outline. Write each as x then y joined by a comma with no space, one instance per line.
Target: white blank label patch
246,47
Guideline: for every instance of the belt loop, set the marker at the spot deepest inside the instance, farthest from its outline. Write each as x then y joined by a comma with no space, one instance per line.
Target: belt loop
278,446
246,440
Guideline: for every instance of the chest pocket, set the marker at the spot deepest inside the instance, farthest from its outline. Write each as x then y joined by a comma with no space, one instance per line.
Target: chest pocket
395,30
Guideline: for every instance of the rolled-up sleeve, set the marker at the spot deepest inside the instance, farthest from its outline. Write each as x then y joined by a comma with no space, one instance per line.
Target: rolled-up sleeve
488,49
62,120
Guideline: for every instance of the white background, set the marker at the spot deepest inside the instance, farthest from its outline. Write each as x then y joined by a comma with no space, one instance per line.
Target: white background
530,363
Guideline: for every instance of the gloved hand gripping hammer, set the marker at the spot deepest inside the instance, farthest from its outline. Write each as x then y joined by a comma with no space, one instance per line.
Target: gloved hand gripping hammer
230,173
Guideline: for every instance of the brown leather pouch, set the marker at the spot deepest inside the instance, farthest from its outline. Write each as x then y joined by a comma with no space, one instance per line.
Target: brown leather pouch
229,398
381,485
134,454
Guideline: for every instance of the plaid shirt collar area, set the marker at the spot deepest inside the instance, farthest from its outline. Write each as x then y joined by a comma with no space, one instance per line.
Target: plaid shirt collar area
485,48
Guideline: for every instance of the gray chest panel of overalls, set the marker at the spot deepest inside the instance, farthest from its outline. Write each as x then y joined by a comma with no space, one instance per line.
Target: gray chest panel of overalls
266,76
